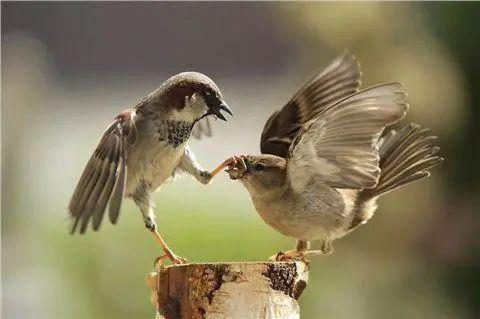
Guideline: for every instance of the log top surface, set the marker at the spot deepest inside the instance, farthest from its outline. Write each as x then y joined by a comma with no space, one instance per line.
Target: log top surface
263,289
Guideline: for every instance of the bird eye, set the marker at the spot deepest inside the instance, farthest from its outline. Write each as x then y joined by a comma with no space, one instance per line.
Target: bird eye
259,167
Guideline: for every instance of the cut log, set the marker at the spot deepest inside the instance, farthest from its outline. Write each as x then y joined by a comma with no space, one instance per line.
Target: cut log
265,290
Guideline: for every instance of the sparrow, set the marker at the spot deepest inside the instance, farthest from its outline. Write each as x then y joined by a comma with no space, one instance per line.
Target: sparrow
145,146
327,157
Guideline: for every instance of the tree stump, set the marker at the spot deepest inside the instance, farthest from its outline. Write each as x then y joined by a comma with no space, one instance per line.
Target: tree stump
232,290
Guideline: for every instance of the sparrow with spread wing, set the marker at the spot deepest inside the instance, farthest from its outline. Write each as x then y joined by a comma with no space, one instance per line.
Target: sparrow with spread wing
143,147
326,157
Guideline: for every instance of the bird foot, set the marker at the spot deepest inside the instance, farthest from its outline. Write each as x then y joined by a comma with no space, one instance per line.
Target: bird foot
319,252
205,177
228,163
168,254
236,167
289,255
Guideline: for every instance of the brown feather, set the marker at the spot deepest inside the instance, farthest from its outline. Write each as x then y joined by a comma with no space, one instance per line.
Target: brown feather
95,187
340,79
117,195
339,146
406,156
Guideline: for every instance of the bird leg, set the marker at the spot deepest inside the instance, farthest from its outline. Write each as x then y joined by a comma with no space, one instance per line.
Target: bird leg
326,249
189,164
228,163
206,177
143,201
176,260
303,250
168,253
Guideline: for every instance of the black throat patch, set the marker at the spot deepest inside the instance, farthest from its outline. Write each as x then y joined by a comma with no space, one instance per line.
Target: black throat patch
174,132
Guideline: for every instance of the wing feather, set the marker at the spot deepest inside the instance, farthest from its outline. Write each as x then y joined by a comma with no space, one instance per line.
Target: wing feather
202,128
95,193
340,145
340,79
102,201
116,200
96,185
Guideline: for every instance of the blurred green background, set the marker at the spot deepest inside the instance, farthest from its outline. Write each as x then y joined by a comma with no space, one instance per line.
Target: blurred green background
67,69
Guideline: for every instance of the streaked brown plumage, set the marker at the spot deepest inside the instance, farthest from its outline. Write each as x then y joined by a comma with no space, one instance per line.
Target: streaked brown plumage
326,157
145,146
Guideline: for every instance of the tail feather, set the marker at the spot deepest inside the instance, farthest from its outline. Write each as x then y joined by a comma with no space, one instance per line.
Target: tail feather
405,156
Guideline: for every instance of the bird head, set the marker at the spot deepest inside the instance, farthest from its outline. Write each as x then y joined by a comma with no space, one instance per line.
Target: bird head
191,96
261,174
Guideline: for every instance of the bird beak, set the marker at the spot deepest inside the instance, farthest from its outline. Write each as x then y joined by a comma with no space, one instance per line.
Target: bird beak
221,107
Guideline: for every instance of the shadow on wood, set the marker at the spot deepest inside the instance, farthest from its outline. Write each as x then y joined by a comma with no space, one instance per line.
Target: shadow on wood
229,290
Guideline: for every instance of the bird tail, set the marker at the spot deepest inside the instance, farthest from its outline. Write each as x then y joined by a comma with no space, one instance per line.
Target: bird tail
405,156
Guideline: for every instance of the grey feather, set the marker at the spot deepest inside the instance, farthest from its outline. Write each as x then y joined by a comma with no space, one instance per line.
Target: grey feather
116,200
95,194
339,146
95,187
104,197
79,210
340,79
406,156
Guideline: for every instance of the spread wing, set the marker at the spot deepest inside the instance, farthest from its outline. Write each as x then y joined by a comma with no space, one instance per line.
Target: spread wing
339,146
340,79
103,179
202,128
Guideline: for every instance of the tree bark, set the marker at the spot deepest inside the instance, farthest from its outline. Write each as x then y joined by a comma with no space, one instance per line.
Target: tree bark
233,290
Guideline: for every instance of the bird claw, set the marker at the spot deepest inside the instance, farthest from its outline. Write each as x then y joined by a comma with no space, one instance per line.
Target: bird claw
205,177
157,263
236,167
228,164
176,260
289,255
292,255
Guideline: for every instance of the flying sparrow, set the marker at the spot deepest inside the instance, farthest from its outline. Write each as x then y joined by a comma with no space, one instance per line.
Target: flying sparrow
326,157
145,146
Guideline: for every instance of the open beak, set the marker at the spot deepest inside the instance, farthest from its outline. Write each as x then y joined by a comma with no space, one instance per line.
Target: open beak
217,110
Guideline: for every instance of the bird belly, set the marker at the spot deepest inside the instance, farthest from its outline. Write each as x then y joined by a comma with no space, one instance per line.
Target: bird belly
152,165
325,215
302,225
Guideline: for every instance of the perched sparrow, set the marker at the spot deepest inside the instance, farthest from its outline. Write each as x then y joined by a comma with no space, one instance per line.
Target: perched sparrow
326,157
143,147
